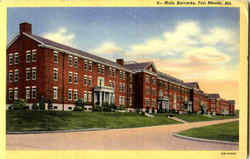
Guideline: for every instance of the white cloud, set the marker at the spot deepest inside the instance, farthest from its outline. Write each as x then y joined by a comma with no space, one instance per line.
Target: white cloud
108,49
61,36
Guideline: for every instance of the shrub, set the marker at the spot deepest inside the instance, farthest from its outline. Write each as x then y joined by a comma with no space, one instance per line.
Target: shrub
41,103
78,108
35,106
97,108
50,105
122,107
19,104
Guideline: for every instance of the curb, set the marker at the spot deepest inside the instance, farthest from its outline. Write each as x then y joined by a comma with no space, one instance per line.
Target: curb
55,131
205,140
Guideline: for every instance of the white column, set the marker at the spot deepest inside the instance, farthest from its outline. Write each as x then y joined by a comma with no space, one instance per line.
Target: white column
100,98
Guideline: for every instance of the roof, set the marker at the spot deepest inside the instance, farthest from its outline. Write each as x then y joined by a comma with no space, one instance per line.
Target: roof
170,78
138,66
231,101
73,50
193,84
215,95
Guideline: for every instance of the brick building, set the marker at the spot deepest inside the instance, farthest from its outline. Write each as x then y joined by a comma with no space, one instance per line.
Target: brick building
40,68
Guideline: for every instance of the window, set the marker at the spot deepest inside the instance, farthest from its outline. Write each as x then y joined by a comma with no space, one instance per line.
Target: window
85,96
76,62
130,101
153,81
114,72
147,79
27,74
16,75
121,74
76,77
11,94
70,94
55,57
103,69
34,73
16,94
70,77
99,68
146,101
110,71
90,80
11,59
34,92
85,64
16,58
70,60
124,75
10,76
75,95
90,65
147,90
33,55
28,57
55,92
110,83
55,74
27,92
154,92
89,96
85,80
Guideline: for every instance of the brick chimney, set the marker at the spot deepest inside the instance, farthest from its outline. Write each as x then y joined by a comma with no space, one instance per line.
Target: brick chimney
120,61
25,27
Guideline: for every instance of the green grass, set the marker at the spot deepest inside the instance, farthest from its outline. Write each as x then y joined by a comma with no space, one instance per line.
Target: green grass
225,132
58,120
198,117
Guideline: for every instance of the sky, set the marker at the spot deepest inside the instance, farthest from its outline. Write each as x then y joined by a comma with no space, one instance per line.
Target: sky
192,44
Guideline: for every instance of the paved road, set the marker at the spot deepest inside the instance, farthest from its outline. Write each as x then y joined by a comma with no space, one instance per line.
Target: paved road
149,138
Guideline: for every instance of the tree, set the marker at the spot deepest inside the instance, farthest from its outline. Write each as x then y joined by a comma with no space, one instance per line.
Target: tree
35,106
41,103
50,105
19,104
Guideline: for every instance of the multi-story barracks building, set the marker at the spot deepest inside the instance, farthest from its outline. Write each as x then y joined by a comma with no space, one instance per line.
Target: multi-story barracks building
38,67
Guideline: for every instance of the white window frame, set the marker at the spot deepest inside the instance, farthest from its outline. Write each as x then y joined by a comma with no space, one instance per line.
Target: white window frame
70,60
70,94
27,92
55,93
27,74
11,59
11,76
90,81
70,77
75,62
34,92
16,58
16,75
55,74
85,96
33,56
55,57
90,66
11,94
28,57
16,93
75,95
85,80
34,73
89,96
85,65
76,77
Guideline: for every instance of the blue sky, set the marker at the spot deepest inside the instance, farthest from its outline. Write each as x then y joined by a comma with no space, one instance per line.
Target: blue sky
190,43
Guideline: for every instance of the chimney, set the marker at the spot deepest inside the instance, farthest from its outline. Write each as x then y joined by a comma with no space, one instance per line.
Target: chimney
120,61
25,27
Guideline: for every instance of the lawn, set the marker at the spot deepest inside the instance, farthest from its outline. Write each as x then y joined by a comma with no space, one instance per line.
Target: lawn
198,117
58,120
225,132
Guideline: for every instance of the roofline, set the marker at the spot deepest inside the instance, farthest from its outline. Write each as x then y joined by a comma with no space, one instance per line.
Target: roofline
62,50
12,41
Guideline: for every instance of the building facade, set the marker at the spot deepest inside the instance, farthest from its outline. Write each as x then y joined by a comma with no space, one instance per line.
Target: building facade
40,68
